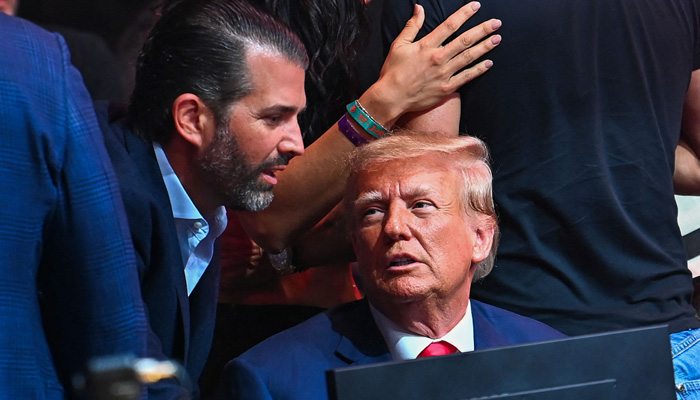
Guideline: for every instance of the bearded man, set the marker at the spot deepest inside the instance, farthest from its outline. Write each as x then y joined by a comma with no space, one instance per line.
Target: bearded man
212,118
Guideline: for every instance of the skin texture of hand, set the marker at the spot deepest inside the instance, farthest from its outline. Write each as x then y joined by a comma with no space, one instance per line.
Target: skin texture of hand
418,75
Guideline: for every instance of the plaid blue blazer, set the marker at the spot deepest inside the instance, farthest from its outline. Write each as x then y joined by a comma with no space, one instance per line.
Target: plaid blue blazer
68,282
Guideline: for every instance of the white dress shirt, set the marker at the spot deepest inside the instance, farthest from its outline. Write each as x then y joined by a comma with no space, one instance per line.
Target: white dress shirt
196,234
404,345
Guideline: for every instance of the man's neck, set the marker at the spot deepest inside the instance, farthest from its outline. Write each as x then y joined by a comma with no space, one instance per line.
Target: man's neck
433,319
406,345
184,164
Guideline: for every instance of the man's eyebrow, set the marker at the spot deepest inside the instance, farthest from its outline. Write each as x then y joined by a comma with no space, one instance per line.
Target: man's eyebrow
369,197
282,109
375,196
420,191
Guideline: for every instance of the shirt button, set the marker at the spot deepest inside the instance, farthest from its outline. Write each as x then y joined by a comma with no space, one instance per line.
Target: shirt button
197,225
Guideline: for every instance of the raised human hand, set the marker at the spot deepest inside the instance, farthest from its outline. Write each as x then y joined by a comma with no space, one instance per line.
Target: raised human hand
420,74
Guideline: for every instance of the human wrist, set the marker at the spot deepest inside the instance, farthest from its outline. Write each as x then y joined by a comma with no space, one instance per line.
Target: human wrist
363,118
352,130
283,262
382,105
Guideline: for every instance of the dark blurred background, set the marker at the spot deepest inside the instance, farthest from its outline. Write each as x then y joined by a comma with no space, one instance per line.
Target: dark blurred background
104,37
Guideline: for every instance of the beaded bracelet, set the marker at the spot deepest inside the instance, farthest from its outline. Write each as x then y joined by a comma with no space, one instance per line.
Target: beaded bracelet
359,114
350,132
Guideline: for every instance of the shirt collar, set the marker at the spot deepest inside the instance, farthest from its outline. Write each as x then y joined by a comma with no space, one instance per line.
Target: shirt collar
218,221
404,345
182,205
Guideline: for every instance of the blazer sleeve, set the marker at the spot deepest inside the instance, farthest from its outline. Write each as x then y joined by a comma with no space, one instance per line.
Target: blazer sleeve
242,381
90,296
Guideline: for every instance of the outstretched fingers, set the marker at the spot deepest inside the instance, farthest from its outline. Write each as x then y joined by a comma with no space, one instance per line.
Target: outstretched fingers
418,75
464,45
469,53
469,74
448,27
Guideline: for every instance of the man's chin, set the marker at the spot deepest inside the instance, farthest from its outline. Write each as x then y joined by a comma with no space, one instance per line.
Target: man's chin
404,292
251,202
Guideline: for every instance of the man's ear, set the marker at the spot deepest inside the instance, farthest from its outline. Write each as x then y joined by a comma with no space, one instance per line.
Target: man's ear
194,121
483,240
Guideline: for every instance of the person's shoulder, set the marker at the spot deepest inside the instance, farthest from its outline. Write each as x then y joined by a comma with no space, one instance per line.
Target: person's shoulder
15,29
32,58
307,337
315,338
290,364
27,49
515,324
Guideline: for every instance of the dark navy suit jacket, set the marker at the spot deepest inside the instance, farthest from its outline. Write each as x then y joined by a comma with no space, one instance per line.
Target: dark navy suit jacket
68,284
183,326
292,364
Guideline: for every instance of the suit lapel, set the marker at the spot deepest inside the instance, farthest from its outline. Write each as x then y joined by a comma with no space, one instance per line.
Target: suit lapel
202,302
486,334
362,343
360,339
144,158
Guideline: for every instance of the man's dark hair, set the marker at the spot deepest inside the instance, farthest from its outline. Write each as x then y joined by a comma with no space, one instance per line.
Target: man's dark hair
199,47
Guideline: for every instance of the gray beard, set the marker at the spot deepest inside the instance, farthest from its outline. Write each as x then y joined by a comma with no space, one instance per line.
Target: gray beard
236,181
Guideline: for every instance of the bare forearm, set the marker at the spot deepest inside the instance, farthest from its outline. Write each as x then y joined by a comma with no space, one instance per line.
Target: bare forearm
443,118
686,177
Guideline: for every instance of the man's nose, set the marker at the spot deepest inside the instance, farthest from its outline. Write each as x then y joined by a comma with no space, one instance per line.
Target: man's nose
292,143
397,223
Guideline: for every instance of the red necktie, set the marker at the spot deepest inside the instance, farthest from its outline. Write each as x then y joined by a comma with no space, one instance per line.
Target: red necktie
438,349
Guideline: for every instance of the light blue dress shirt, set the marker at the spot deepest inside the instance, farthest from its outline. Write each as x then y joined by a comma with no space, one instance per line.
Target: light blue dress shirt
196,234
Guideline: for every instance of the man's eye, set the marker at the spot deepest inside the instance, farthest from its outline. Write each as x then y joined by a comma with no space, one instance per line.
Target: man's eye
422,204
371,211
371,215
273,119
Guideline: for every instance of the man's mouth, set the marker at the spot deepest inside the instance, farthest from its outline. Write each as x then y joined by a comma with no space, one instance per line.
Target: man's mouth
401,261
269,173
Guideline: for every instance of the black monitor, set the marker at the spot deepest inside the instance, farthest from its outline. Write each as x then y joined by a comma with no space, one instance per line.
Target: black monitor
622,365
